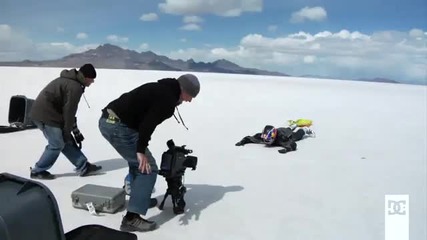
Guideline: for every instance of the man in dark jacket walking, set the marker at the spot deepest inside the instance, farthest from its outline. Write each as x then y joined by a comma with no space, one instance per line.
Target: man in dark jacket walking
128,122
54,113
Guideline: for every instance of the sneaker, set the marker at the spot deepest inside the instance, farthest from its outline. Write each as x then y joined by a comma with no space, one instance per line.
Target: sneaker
90,169
309,132
137,224
45,175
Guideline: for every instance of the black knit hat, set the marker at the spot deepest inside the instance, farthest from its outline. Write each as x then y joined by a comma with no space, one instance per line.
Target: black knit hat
88,70
190,84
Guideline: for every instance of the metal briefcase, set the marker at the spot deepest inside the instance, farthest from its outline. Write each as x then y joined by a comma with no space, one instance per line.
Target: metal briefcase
104,199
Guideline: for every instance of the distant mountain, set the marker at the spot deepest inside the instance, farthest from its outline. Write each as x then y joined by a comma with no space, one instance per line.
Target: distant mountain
317,76
114,57
384,80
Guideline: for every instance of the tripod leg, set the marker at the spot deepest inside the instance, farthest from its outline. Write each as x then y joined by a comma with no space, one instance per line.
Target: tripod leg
163,201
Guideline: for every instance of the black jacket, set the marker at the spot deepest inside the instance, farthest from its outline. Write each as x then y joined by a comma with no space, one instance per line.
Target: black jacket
146,107
286,138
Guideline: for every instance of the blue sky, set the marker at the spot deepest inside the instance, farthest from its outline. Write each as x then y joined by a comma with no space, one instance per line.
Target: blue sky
345,39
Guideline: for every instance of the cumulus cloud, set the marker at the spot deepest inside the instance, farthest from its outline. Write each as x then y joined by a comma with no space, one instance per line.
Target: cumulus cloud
143,47
192,19
309,59
396,55
55,50
15,46
149,17
310,14
191,27
192,23
272,28
81,35
229,8
344,54
117,39
5,31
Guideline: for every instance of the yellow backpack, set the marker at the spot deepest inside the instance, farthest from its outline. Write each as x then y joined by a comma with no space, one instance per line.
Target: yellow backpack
301,122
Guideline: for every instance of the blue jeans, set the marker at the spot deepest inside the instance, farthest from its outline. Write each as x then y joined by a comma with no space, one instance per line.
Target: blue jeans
125,140
56,145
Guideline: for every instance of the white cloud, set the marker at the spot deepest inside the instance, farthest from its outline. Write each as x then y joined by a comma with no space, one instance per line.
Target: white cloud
309,59
229,8
183,40
56,50
417,33
345,54
60,29
192,19
143,47
13,44
272,28
82,36
5,31
391,54
117,39
191,27
311,14
149,17
16,46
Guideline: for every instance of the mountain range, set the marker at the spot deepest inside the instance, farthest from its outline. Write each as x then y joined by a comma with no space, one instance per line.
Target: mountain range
113,57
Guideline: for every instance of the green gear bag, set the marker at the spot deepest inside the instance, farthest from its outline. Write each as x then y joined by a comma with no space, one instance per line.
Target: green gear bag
301,122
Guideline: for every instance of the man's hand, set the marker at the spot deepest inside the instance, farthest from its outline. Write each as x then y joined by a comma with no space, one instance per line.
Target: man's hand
77,134
242,142
144,165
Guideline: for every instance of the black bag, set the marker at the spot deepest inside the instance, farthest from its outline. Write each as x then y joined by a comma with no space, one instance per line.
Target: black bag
19,115
28,207
98,232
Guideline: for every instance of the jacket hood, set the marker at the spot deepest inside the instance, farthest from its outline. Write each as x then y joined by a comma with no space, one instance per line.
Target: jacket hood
173,84
73,74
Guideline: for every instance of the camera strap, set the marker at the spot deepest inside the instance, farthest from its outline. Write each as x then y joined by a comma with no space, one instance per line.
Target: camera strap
180,118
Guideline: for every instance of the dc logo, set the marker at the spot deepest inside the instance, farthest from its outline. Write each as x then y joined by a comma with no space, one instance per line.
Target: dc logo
396,207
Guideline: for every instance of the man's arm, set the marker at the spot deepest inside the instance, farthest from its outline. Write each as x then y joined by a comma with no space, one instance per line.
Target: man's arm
250,139
69,110
155,116
288,146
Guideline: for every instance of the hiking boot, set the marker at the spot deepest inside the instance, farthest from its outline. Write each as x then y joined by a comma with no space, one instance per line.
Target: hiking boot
90,169
137,224
44,175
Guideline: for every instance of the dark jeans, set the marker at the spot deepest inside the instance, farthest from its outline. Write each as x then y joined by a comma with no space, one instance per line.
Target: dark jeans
124,140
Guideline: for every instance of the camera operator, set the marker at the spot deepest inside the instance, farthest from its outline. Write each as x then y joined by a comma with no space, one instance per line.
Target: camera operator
128,122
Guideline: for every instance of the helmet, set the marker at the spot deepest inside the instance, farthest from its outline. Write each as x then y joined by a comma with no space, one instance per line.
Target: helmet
269,134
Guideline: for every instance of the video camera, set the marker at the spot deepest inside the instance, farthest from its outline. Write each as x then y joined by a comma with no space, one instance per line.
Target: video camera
174,163
175,160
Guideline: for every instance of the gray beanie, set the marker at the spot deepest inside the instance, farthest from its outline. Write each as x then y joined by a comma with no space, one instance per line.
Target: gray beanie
190,84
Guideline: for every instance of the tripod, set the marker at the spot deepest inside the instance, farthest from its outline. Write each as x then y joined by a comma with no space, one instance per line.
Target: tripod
177,191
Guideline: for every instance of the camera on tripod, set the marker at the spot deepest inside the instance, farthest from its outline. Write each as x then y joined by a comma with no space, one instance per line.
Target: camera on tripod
174,163
175,160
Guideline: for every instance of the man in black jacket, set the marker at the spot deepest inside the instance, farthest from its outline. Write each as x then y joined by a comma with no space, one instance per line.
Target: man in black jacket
281,137
54,113
128,122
